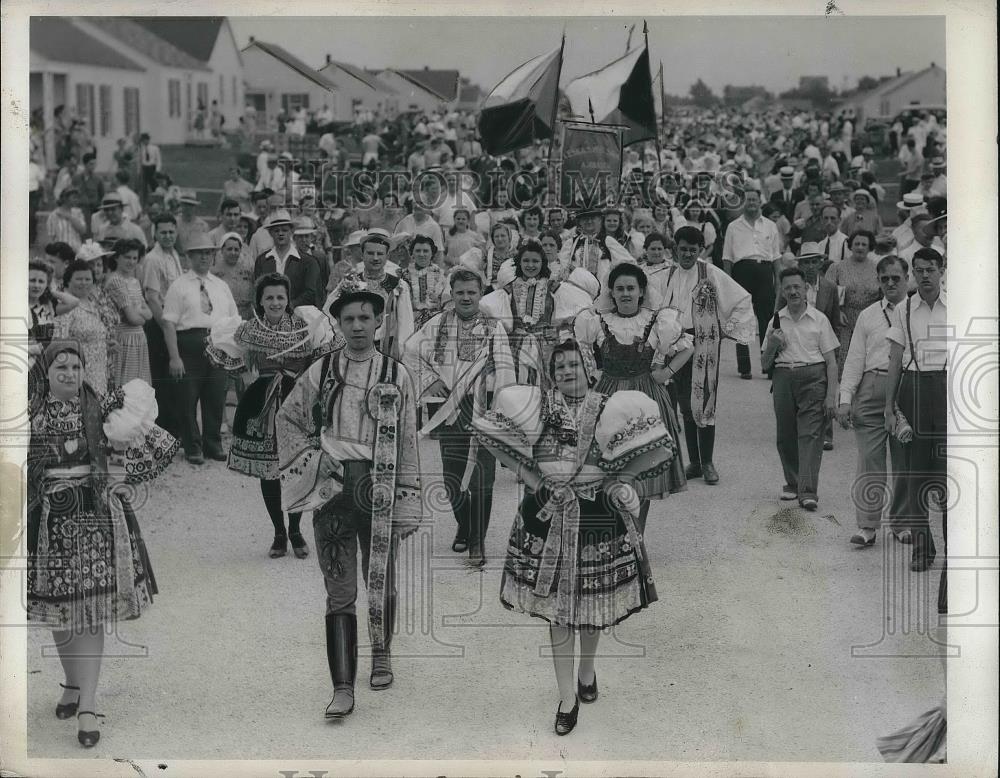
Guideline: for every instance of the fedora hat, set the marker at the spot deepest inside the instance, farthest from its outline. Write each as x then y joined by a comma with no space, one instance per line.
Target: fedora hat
112,200
188,196
787,172
92,250
911,200
304,226
810,249
280,218
200,241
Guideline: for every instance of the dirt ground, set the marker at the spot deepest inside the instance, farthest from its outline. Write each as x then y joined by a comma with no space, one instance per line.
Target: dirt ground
773,639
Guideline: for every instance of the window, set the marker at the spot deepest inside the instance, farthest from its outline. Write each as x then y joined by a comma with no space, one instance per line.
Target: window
131,111
85,105
202,95
234,93
222,89
884,107
104,94
174,98
290,103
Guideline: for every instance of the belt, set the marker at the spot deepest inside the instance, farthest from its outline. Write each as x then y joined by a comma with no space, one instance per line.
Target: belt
878,371
797,365
194,331
754,260
914,371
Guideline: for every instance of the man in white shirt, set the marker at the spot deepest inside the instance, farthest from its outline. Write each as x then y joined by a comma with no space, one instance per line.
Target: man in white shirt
801,353
911,204
728,310
751,246
195,302
150,163
918,383
229,220
834,243
132,204
862,403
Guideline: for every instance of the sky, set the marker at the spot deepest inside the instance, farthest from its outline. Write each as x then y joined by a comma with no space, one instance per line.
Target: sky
769,51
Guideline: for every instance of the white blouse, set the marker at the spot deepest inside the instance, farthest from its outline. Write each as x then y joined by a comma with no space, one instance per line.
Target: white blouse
666,337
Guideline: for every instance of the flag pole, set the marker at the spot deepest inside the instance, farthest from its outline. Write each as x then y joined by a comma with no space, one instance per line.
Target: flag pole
628,42
590,106
553,184
656,134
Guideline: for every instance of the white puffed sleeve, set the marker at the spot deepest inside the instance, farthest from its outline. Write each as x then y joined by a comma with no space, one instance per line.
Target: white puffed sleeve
631,426
318,324
618,252
496,305
514,424
668,337
224,349
587,327
140,450
133,414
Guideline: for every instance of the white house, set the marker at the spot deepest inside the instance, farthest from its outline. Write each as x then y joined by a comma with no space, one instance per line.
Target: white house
424,90
922,87
69,68
361,90
278,80
210,40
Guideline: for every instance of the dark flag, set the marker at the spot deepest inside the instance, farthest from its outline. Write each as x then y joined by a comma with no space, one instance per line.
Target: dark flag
522,108
621,93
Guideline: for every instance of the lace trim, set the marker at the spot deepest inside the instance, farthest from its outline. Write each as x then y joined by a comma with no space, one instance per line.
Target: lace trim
618,463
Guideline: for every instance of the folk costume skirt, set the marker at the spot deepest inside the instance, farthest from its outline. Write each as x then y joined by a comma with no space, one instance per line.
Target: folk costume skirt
254,448
608,585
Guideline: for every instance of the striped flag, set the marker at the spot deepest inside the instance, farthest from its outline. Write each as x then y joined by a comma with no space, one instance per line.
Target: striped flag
522,108
620,93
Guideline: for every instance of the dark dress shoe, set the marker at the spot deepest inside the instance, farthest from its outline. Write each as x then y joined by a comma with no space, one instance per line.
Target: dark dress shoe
565,722
828,445
923,552
586,693
746,376
460,545
693,471
89,739
68,710
711,474
299,547
218,456
279,547
196,459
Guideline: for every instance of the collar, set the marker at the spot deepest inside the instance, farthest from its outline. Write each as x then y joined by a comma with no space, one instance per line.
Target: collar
810,311
884,302
363,356
293,251
942,299
752,224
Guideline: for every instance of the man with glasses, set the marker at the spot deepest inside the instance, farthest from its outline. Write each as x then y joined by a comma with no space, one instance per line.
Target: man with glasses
862,403
918,382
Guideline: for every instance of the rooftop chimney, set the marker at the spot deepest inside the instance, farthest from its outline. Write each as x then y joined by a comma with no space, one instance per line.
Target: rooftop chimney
933,65
898,72
251,38
329,59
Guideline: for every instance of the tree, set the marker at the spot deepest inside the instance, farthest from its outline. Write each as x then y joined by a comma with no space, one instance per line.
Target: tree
702,95
867,82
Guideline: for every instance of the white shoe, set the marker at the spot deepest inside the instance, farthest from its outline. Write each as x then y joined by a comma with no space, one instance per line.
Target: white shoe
863,537
788,495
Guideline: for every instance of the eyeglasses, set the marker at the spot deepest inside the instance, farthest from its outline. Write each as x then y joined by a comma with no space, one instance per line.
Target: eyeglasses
888,279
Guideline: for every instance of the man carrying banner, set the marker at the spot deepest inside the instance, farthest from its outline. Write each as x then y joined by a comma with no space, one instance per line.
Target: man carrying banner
347,450
459,358
712,306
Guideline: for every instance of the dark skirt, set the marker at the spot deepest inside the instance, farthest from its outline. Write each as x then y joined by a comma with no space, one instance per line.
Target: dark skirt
665,480
609,584
254,449
76,570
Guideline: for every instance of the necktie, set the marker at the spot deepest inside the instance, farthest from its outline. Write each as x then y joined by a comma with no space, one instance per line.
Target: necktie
828,247
206,301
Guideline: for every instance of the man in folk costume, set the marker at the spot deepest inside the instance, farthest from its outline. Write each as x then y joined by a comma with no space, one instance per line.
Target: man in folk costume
347,450
458,359
712,306
396,324
590,250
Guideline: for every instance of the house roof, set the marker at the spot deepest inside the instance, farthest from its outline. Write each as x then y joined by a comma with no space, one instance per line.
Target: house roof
139,39
60,41
891,85
293,62
443,83
195,35
363,76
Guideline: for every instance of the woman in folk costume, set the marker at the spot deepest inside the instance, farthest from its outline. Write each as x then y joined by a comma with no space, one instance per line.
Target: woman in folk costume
499,252
591,250
638,346
277,344
530,310
397,318
712,307
347,451
427,280
87,563
576,556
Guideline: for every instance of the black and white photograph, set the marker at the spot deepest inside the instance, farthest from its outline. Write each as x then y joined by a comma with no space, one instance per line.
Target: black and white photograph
498,391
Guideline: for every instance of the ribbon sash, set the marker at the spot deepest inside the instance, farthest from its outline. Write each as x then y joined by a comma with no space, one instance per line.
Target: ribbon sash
387,399
707,347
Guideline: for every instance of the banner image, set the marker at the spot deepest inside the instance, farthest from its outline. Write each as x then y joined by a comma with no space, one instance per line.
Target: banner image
591,165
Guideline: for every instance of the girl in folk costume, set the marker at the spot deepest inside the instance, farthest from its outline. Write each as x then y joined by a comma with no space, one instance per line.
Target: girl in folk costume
426,280
576,556
639,346
614,225
528,308
712,307
498,253
699,216
642,225
666,219
277,344
87,563
397,320
531,223
656,262
590,249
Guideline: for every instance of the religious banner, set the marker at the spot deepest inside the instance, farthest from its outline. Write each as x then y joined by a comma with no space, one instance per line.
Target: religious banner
591,165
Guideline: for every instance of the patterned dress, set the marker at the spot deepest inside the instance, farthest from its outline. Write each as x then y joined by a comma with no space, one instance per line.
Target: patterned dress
861,289
85,326
625,348
132,360
427,286
87,563
575,554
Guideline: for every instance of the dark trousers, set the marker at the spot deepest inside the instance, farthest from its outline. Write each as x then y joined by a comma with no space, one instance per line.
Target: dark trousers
148,183
700,440
34,203
204,386
758,279
340,528
168,390
868,417
471,508
799,394
923,399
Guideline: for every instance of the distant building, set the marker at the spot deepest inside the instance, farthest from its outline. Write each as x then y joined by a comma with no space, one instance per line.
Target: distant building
278,81
814,83
424,90
361,90
923,87
469,96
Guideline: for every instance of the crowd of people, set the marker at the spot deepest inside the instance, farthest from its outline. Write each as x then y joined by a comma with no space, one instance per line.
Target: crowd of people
580,348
